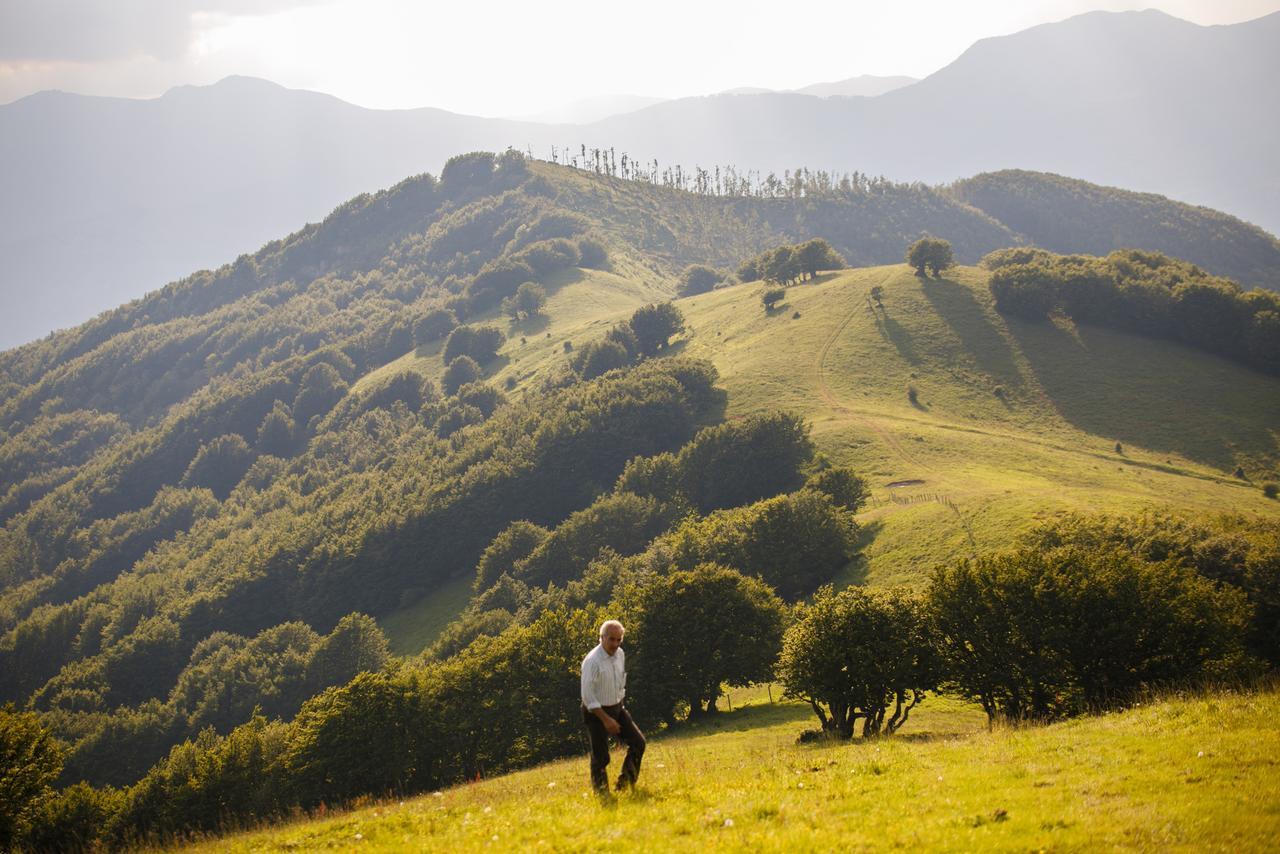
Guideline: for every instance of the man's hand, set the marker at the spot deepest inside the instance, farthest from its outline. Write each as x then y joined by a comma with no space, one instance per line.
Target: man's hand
610,724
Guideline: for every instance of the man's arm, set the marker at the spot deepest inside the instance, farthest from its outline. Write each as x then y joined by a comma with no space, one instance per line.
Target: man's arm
592,703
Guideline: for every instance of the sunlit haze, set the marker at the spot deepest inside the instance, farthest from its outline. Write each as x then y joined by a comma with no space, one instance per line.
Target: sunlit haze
508,58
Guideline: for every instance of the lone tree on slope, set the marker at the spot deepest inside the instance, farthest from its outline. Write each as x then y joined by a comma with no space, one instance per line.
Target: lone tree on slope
931,252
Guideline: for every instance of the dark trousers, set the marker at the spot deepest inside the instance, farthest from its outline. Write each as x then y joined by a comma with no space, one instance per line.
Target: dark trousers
630,734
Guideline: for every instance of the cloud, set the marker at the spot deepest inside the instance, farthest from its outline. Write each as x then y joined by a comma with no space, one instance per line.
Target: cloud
108,30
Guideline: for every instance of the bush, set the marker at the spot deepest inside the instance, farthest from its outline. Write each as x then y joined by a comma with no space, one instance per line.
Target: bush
621,522
844,487
931,253
858,654
1271,489
690,632
794,542
1042,634
743,461
516,542
434,325
219,465
73,819
479,342
654,325
30,760
461,370
698,279
772,296
548,256
592,254
528,301
598,358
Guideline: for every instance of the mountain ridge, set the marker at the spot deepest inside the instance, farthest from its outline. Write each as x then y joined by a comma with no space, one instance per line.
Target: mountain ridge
181,200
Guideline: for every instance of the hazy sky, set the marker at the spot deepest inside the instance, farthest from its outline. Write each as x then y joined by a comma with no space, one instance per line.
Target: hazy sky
494,57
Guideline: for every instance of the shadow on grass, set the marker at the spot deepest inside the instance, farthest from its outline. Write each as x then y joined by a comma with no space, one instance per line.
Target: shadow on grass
741,719
969,320
531,325
1153,394
553,282
897,336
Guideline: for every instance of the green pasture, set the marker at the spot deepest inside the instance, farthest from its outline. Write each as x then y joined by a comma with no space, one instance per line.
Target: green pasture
1194,773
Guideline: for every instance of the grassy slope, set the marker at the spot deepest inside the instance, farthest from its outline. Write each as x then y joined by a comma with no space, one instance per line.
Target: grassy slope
1189,774
989,466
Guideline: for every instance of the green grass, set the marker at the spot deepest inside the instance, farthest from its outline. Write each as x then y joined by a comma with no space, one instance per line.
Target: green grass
1187,774
412,629
989,465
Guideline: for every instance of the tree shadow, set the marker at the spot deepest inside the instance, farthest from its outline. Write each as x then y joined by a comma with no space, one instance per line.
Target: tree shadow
969,320
530,325
741,719
553,282
897,336
1153,394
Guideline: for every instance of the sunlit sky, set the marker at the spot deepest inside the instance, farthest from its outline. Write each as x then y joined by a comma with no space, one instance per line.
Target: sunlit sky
500,58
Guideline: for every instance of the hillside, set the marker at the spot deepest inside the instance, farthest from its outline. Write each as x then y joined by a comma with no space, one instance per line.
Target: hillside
975,466
221,497
105,199
1139,779
1072,216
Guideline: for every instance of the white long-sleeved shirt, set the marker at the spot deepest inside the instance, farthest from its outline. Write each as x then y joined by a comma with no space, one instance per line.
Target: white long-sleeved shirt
604,678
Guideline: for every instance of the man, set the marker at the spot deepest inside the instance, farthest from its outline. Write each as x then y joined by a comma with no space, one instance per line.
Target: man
604,683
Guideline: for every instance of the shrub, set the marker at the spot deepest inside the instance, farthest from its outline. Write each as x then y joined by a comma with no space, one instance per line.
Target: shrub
772,296
592,254
654,325
693,631
516,542
434,325
482,396
843,485
931,253
621,522
1042,634
739,462
461,371
479,342
794,542
599,357
528,301
548,256
30,760
1271,489
858,654
698,279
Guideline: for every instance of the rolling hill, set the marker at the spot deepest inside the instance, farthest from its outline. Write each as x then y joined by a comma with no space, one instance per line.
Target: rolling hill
248,477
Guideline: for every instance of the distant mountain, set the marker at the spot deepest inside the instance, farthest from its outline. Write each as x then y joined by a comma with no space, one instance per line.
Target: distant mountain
586,110
103,199
1137,99
866,85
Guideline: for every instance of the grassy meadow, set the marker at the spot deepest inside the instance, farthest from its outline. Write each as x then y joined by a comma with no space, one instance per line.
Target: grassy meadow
1193,773
1012,422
